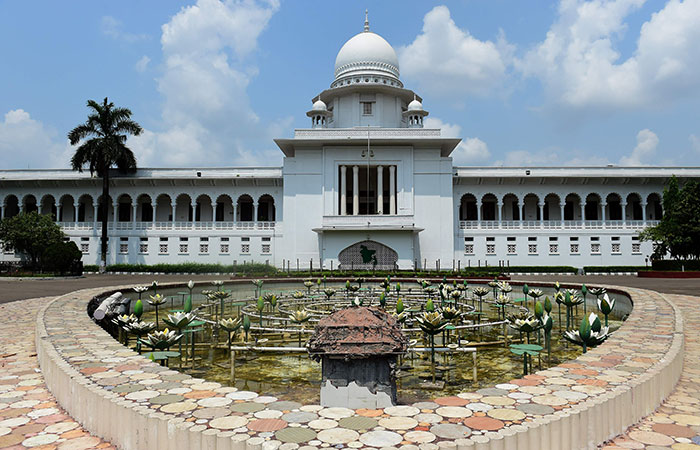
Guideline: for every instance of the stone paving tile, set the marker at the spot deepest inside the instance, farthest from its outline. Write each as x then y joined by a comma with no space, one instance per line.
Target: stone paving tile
633,349
676,423
29,416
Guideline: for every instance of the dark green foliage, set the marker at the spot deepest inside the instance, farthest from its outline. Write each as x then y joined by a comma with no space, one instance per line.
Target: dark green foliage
612,269
62,258
675,265
31,234
678,232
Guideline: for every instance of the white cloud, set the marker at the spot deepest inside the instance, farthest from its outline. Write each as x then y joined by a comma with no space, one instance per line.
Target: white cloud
207,116
115,29
647,142
28,143
694,142
469,151
449,60
142,64
580,66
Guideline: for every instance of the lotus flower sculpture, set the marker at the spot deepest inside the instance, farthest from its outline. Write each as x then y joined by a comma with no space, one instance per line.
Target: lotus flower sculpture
399,306
271,299
125,319
179,320
524,322
456,295
605,306
493,284
505,287
258,286
140,290
154,286
299,317
481,292
547,324
502,302
308,284
162,340
219,296
570,301
382,299
218,284
230,325
298,295
329,292
432,323
357,301
140,329
156,301
585,336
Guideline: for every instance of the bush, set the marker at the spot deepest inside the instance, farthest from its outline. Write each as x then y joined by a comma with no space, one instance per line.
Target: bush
612,269
62,258
675,265
539,269
251,269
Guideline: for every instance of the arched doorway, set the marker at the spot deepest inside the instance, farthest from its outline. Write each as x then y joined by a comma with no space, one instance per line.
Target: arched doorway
368,255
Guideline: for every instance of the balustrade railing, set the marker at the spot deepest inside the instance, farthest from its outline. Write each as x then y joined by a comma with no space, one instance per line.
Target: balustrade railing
163,226
555,224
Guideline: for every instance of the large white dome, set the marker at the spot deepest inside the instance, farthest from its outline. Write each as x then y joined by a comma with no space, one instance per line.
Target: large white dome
367,52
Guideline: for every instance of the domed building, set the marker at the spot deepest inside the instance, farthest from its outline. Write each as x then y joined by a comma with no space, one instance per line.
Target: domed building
365,186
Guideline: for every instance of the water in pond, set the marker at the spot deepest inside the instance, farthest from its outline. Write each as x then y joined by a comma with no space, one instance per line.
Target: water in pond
294,376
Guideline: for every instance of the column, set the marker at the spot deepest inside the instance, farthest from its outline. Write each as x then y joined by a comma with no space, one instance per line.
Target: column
76,208
255,212
235,209
59,209
602,212
134,209
499,205
115,215
522,211
154,210
478,212
193,208
355,190
644,214
343,191
380,190
541,206
623,205
562,205
392,190
582,208
213,212
95,207
174,206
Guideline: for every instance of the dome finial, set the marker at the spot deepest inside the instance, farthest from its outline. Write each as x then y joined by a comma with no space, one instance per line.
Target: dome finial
366,20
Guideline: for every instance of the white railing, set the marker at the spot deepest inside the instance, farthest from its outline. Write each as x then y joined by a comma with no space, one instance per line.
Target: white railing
555,224
369,221
162,226
361,132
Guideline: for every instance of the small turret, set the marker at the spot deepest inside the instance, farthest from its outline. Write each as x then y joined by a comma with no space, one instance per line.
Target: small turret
320,116
414,114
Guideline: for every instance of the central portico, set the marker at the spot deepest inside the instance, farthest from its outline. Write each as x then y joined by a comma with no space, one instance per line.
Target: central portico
367,170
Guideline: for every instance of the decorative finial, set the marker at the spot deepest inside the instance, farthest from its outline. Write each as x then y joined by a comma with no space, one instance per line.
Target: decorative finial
414,96
366,20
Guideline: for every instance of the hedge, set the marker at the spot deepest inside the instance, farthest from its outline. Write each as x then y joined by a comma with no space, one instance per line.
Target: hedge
539,269
613,269
677,265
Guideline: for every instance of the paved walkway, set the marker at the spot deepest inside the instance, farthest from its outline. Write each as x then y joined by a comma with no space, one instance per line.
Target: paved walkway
29,416
676,423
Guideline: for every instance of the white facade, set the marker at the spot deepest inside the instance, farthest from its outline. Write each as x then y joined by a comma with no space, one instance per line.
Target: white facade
366,170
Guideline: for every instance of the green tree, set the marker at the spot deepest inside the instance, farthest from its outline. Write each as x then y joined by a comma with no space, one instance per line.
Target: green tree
30,233
678,231
103,147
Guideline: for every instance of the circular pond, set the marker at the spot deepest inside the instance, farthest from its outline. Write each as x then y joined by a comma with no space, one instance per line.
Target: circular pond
269,324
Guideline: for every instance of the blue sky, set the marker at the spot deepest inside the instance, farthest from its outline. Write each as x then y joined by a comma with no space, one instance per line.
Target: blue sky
212,82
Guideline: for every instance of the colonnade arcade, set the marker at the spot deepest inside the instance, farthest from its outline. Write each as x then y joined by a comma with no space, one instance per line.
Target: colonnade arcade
146,208
366,190
571,207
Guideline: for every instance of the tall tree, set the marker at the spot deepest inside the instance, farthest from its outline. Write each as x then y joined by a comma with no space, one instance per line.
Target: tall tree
103,146
30,233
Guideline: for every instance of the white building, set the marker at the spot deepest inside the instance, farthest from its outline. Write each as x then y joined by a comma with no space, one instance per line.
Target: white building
365,185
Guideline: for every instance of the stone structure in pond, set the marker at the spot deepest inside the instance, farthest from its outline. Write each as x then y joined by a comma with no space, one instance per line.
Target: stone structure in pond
358,349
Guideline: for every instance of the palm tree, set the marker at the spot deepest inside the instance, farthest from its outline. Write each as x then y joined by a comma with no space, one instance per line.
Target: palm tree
103,138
